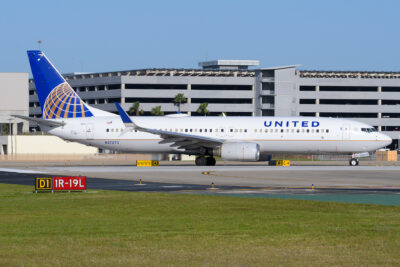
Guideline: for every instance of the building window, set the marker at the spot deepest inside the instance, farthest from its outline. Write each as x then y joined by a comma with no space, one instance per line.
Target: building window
307,101
306,88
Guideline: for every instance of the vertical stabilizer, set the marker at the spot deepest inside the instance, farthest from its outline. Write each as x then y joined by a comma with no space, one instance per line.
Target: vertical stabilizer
57,98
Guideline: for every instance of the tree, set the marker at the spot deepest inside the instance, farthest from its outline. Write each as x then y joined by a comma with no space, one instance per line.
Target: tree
178,100
203,109
135,109
5,129
156,111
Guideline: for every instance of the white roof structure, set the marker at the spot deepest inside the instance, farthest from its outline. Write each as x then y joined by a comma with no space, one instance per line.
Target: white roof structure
228,64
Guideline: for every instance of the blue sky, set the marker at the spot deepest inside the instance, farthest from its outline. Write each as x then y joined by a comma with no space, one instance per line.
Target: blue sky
94,36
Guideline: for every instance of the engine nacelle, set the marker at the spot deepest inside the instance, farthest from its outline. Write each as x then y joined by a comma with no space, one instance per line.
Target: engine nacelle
238,151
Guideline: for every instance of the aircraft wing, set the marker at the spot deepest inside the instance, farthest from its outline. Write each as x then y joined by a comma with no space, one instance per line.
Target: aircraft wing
48,123
179,140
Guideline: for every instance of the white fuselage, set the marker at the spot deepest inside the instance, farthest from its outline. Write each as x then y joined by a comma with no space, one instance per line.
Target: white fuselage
273,134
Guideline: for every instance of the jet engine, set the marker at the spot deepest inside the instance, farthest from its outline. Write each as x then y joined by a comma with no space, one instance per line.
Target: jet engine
238,151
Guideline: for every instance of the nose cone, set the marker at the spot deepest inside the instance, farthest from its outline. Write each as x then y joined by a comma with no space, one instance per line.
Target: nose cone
386,140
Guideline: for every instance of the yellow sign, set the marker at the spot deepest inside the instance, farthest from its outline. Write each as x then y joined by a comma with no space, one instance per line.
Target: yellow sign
283,163
147,163
44,183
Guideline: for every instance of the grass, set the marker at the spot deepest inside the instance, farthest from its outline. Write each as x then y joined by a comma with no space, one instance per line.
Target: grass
108,228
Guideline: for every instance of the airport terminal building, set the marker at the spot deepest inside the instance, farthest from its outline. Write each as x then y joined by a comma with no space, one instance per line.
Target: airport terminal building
240,88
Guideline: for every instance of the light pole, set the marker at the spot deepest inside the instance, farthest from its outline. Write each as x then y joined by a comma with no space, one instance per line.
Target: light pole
10,131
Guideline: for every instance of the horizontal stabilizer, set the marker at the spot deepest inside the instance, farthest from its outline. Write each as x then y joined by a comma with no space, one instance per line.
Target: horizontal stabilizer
48,123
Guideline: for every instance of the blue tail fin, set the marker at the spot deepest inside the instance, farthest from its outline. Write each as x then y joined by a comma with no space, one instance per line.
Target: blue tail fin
57,98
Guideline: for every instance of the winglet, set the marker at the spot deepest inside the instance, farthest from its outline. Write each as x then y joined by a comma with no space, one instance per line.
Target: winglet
124,117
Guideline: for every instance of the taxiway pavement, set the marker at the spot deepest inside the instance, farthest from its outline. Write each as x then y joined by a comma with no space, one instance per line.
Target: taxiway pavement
240,175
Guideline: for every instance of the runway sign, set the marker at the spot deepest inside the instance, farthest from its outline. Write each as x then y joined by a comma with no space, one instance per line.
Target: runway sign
74,183
279,163
283,163
147,163
43,183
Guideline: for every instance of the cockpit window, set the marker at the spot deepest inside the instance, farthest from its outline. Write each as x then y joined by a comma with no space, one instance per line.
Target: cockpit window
368,130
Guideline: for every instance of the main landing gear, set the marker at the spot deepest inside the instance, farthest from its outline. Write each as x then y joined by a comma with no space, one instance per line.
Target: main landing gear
353,162
205,161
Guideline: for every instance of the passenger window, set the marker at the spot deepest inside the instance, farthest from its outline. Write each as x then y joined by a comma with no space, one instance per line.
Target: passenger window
327,130
255,130
302,130
317,130
191,130
297,130
308,130
231,130
107,130
176,130
210,130
276,130
216,130
201,130
281,130
266,130
135,131
205,130
186,130
222,130
236,130
181,130
245,130
312,131
287,130
292,131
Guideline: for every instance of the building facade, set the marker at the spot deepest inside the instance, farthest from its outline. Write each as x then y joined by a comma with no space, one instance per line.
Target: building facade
13,101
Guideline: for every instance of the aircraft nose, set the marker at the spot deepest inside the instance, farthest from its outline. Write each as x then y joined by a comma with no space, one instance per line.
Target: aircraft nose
385,139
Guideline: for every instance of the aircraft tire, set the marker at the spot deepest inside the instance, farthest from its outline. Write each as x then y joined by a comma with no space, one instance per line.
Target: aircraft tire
211,161
353,162
201,161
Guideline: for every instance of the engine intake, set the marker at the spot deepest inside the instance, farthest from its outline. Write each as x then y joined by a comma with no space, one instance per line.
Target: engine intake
238,151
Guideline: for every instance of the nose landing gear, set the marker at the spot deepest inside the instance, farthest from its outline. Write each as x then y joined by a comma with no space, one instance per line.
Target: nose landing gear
354,162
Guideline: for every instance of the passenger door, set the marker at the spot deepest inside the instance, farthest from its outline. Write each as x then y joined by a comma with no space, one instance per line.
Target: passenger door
346,133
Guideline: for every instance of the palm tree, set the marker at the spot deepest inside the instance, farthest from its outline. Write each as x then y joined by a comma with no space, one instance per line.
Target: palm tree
156,111
135,109
203,109
5,129
178,100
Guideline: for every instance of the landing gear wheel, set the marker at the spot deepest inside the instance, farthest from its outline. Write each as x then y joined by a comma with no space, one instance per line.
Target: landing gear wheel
211,161
201,161
353,162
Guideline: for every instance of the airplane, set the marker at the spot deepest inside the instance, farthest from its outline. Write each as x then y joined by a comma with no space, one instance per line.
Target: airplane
65,115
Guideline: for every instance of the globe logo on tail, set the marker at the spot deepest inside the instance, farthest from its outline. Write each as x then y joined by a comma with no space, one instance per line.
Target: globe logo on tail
63,102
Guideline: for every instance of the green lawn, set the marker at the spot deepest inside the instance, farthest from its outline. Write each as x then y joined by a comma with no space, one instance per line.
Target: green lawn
108,228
